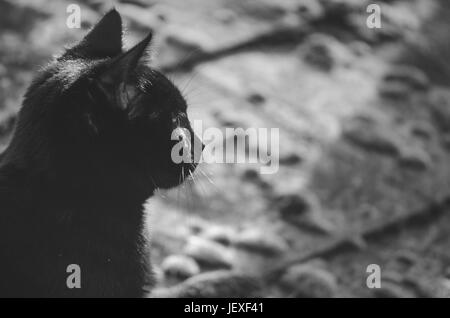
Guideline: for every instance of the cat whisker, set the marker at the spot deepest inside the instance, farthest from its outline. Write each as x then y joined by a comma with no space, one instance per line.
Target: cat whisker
196,182
206,176
185,86
209,181
178,192
201,188
187,94
186,187
192,176
191,196
181,63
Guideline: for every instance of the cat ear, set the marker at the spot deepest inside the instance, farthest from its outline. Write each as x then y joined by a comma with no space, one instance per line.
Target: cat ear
120,67
114,79
103,40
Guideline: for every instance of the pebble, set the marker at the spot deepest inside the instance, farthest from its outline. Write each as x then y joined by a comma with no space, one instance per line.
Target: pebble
290,159
225,16
180,266
309,280
372,137
222,235
440,110
422,130
318,54
414,158
292,205
411,76
208,253
360,48
405,258
251,175
256,99
220,283
260,241
324,52
394,90
137,3
310,10
304,211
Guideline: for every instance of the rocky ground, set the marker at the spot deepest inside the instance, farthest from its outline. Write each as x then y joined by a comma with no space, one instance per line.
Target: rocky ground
364,140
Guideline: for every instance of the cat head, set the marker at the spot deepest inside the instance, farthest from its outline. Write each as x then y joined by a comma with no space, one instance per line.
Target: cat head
99,112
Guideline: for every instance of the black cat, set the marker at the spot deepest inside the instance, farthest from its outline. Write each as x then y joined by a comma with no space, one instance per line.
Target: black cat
91,144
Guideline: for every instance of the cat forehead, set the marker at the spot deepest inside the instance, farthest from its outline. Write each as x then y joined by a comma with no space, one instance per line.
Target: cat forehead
151,78
151,82
154,84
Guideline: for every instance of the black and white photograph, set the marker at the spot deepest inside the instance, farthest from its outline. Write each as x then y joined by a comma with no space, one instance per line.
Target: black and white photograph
233,150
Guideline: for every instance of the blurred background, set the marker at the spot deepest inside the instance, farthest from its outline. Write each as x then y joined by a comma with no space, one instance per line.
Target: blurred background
364,119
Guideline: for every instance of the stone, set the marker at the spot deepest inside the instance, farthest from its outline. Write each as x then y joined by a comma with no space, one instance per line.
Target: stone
207,253
262,10
422,287
411,76
394,90
405,258
219,234
422,130
225,16
138,3
310,10
414,158
196,226
440,109
220,283
360,48
308,280
259,241
324,52
251,175
318,54
256,99
372,138
292,204
304,211
290,159
180,266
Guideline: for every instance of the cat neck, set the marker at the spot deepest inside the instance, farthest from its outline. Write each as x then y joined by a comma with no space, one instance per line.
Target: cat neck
84,194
